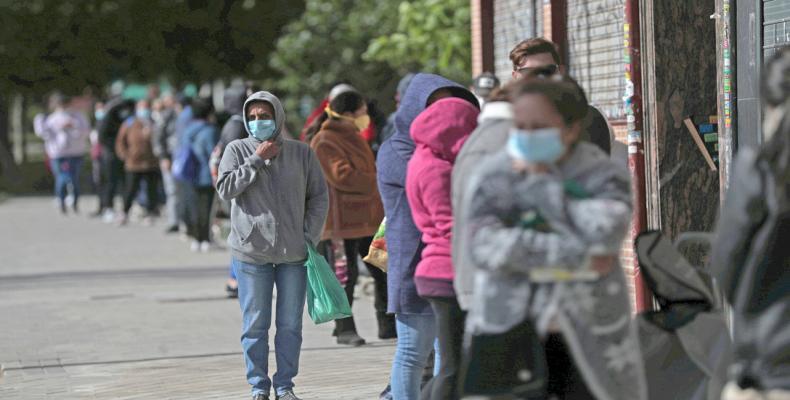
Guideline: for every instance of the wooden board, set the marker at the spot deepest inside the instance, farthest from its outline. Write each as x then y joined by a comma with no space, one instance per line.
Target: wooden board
698,140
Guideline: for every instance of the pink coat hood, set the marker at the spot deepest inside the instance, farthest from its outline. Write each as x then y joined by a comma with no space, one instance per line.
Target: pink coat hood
439,132
444,127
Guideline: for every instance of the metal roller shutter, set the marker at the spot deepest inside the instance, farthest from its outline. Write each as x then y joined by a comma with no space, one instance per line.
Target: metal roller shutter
595,52
776,25
514,21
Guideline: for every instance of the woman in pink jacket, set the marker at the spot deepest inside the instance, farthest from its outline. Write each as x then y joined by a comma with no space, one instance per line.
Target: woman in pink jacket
439,132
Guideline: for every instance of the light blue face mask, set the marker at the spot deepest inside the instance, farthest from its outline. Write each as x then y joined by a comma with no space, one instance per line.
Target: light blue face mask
262,129
540,146
99,115
143,113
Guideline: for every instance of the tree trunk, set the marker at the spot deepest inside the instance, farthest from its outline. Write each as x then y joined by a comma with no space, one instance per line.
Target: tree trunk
8,167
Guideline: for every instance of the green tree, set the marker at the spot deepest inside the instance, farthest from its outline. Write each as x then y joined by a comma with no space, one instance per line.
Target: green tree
431,36
67,45
325,46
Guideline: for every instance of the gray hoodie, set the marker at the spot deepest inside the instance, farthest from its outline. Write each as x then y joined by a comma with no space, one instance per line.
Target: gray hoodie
277,205
495,122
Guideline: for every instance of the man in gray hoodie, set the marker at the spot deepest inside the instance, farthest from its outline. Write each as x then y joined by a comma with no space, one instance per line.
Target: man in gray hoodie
279,203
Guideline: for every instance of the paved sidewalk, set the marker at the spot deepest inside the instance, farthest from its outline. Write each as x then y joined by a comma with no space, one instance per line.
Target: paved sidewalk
93,311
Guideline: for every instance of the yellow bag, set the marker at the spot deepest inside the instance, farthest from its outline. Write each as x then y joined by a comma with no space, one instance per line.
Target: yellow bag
377,254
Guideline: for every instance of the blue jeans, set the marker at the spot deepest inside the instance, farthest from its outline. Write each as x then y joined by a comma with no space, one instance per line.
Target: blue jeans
416,337
66,171
256,283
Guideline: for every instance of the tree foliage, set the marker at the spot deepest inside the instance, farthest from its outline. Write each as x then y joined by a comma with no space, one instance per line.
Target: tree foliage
431,36
370,44
325,45
70,44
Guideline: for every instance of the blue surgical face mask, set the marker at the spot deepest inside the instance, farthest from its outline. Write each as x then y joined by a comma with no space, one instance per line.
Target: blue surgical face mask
99,114
143,113
540,146
262,129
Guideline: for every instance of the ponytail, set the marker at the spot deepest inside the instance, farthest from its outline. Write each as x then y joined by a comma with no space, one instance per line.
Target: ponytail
344,102
315,126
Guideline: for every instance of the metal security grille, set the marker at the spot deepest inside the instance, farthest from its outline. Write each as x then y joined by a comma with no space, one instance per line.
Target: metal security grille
514,21
776,25
595,52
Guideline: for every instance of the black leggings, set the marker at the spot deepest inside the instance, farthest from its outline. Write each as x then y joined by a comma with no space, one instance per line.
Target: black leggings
133,180
112,177
450,319
565,380
204,198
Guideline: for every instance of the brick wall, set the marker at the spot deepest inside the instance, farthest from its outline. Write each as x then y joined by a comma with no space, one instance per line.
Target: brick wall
477,45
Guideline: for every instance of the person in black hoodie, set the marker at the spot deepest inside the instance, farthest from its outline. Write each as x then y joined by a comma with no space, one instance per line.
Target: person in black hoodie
232,130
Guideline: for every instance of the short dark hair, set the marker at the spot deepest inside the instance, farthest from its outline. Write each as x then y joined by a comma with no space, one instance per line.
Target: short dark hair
533,46
202,108
347,102
563,92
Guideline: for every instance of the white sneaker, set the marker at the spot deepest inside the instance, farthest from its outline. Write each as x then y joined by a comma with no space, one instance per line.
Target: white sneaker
195,246
123,220
108,216
205,247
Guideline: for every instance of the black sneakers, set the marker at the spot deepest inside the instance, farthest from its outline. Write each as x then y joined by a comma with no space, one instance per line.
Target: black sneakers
350,338
260,396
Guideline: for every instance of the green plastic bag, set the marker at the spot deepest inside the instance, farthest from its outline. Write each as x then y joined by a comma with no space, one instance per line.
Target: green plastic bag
326,299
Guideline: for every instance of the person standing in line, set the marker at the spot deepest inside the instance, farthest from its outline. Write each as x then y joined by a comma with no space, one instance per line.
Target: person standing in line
750,258
65,134
547,216
134,146
232,130
96,163
355,210
483,86
201,136
165,144
389,127
184,193
439,132
117,111
279,203
414,319
493,127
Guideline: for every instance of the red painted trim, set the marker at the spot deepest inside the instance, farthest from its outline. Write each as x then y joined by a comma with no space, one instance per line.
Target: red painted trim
636,138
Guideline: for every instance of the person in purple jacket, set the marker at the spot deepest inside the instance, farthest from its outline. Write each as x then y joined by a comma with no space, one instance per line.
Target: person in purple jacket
413,317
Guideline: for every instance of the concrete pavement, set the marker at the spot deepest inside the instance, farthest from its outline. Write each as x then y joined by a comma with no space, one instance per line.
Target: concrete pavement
93,311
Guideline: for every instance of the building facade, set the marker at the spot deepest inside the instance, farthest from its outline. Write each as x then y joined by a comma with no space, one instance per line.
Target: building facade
700,65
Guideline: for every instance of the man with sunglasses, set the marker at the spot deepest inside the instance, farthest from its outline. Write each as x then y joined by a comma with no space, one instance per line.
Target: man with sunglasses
536,57
540,58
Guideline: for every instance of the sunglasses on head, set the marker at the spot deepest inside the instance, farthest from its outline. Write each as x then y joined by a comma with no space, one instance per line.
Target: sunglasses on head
544,71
